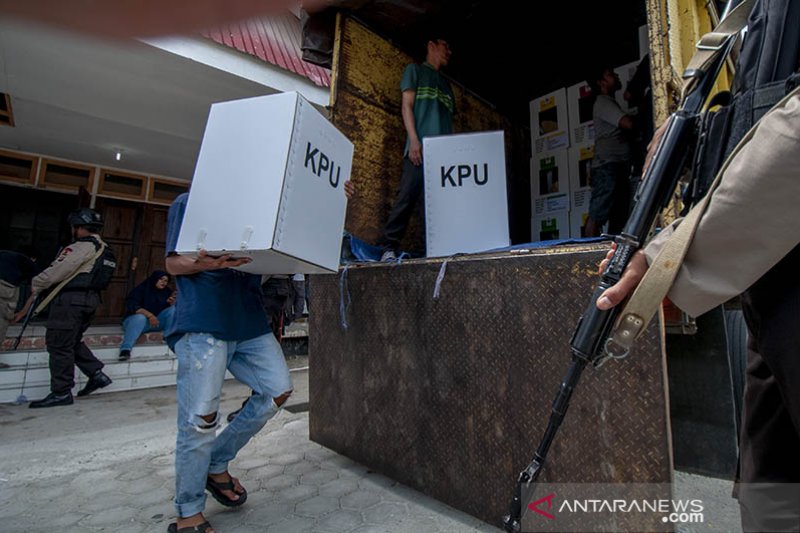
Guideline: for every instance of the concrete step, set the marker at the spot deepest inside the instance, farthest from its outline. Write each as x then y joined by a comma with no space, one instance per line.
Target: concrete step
150,366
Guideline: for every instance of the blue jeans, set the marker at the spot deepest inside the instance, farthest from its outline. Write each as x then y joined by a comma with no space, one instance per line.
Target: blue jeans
136,324
611,195
202,361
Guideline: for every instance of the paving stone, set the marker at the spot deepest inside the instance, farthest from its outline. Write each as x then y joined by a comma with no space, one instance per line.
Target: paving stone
385,513
134,473
318,477
268,513
286,459
302,467
279,483
113,516
297,493
163,460
156,514
319,454
376,481
139,486
19,522
295,524
65,521
338,487
159,496
250,463
360,499
419,523
316,506
299,427
339,521
102,502
372,529
264,473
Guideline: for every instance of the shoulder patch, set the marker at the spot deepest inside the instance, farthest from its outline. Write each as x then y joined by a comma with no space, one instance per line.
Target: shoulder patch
64,253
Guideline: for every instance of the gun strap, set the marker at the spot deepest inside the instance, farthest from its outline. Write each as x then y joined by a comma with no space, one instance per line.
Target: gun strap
64,282
712,44
651,291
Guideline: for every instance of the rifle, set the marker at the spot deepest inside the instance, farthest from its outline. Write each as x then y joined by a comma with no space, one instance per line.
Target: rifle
590,343
28,317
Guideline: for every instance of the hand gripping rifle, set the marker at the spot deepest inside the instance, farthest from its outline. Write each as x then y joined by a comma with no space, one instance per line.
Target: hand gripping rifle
590,342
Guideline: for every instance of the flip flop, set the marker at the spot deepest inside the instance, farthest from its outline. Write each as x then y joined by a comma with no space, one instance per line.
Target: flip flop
201,528
216,488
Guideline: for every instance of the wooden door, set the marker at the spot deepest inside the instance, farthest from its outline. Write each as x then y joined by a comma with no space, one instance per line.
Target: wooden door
152,242
137,232
121,232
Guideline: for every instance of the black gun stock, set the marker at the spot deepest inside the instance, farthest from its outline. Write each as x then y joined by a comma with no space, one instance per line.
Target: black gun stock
588,344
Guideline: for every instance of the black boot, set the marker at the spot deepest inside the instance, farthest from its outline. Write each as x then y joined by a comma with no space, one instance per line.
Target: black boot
97,381
52,400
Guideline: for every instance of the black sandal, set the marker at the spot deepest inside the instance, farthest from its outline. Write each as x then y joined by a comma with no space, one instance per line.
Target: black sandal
200,528
216,488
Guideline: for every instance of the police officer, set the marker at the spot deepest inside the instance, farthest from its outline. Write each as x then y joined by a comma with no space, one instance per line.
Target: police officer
72,310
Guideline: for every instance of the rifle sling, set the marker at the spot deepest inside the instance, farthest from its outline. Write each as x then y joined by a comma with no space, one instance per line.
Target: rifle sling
651,291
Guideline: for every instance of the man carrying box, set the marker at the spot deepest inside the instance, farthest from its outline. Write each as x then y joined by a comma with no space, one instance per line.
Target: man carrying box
219,325
428,106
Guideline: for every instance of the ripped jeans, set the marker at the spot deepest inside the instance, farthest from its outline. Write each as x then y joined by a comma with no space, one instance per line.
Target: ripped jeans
202,362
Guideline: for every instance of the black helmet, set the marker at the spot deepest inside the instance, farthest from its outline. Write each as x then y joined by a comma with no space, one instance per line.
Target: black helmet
88,218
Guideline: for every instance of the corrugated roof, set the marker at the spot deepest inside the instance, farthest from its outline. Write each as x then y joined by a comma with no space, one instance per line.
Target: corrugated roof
276,40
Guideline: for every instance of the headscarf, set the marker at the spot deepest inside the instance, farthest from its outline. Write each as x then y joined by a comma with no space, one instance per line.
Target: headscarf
147,296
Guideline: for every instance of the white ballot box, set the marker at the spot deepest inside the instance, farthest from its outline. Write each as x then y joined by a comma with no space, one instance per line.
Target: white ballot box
580,104
550,182
466,207
550,227
269,185
549,122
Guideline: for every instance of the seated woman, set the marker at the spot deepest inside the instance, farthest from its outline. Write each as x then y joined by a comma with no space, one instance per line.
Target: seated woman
148,308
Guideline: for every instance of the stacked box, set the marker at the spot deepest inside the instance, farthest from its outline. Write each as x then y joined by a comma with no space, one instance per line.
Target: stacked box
550,227
549,122
580,168
269,185
550,183
580,104
466,205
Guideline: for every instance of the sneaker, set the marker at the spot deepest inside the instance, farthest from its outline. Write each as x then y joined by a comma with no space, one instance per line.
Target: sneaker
97,381
52,400
388,255
124,355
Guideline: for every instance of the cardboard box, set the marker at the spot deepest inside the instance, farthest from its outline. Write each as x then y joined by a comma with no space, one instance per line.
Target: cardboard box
580,104
580,172
625,73
550,182
577,222
550,227
466,205
269,185
549,122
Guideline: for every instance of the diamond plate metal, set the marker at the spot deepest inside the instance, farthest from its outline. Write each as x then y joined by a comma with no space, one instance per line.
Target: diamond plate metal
451,396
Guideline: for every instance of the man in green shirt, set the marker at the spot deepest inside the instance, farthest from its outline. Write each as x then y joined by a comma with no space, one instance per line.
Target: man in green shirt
427,107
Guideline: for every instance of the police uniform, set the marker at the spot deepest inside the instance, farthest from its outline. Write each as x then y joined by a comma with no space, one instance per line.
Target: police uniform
71,312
